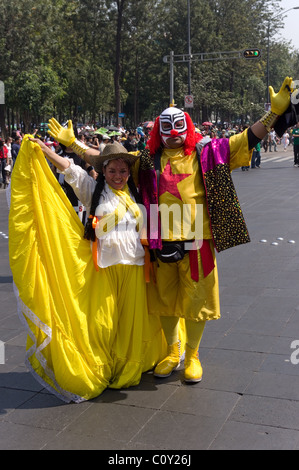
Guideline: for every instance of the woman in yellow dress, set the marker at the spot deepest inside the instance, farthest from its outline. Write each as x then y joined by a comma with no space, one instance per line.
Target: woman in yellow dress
85,309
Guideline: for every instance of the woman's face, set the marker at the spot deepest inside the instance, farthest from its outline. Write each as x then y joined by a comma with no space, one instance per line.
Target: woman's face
116,173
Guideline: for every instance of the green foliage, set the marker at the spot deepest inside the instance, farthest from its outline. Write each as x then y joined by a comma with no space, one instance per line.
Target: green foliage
89,59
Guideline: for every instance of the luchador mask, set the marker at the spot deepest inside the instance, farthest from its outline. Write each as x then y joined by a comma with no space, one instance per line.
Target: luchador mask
172,124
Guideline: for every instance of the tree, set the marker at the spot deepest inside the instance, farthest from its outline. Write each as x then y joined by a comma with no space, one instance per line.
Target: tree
90,59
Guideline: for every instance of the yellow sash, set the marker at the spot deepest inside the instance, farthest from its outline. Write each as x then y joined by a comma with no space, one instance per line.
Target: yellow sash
108,222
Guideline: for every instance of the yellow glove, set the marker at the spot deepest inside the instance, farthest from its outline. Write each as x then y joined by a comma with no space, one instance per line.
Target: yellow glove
280,101
63,136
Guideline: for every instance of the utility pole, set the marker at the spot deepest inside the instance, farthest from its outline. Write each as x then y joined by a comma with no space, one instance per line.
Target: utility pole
171,60
189,50
268,47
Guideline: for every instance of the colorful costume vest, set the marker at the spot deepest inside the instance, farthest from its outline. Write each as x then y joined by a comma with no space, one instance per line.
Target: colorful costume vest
227,223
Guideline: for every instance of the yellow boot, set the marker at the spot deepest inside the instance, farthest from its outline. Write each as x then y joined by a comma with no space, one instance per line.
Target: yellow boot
171,361
193,369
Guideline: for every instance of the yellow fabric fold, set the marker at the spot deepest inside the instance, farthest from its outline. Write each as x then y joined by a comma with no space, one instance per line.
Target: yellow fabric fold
83,335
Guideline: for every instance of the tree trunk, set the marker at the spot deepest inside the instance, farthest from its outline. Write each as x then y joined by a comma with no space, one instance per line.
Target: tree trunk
2,120
27,119
136,93
120,7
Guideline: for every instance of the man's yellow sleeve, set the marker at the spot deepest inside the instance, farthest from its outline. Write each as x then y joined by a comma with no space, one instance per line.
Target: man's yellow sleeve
240,155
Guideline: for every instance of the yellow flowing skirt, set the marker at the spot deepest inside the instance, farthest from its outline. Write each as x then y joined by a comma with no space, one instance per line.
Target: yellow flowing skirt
87,330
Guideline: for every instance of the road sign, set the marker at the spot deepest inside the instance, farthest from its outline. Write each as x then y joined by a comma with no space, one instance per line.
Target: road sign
189,101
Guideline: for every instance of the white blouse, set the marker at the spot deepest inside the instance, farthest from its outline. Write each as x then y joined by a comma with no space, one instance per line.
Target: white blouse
122,244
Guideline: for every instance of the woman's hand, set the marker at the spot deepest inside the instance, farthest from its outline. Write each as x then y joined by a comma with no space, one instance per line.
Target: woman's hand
39,142
58,161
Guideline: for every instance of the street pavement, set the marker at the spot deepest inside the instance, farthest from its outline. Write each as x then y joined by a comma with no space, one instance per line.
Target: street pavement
249,395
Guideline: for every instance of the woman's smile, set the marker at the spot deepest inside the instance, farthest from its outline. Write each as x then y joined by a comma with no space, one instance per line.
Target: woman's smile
116,173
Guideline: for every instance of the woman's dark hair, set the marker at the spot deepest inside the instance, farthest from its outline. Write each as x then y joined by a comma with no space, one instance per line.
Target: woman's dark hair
89,232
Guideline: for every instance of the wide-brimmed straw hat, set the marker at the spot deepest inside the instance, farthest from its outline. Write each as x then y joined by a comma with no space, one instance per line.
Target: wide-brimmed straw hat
112,151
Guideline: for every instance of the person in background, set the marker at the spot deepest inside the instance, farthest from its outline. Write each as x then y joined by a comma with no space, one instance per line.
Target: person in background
295,134
104,141
272,141
256,156
130,144
15,148
3,163
285,140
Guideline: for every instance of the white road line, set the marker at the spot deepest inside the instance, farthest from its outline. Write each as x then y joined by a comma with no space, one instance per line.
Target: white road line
277,158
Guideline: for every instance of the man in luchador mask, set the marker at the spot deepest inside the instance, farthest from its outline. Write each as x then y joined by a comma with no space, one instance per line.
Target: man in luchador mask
178,169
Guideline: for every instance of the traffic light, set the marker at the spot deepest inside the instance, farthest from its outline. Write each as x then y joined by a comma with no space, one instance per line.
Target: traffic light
251,53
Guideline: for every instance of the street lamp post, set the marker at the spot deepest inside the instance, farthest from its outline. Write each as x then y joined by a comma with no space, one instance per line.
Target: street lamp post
268,47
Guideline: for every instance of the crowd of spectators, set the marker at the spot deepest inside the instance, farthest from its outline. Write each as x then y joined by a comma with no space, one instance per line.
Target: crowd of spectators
9,149
131,139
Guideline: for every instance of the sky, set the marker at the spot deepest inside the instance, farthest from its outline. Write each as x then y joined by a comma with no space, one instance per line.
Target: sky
291,22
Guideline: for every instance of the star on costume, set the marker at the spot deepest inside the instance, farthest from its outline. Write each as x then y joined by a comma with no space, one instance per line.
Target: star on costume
169,181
